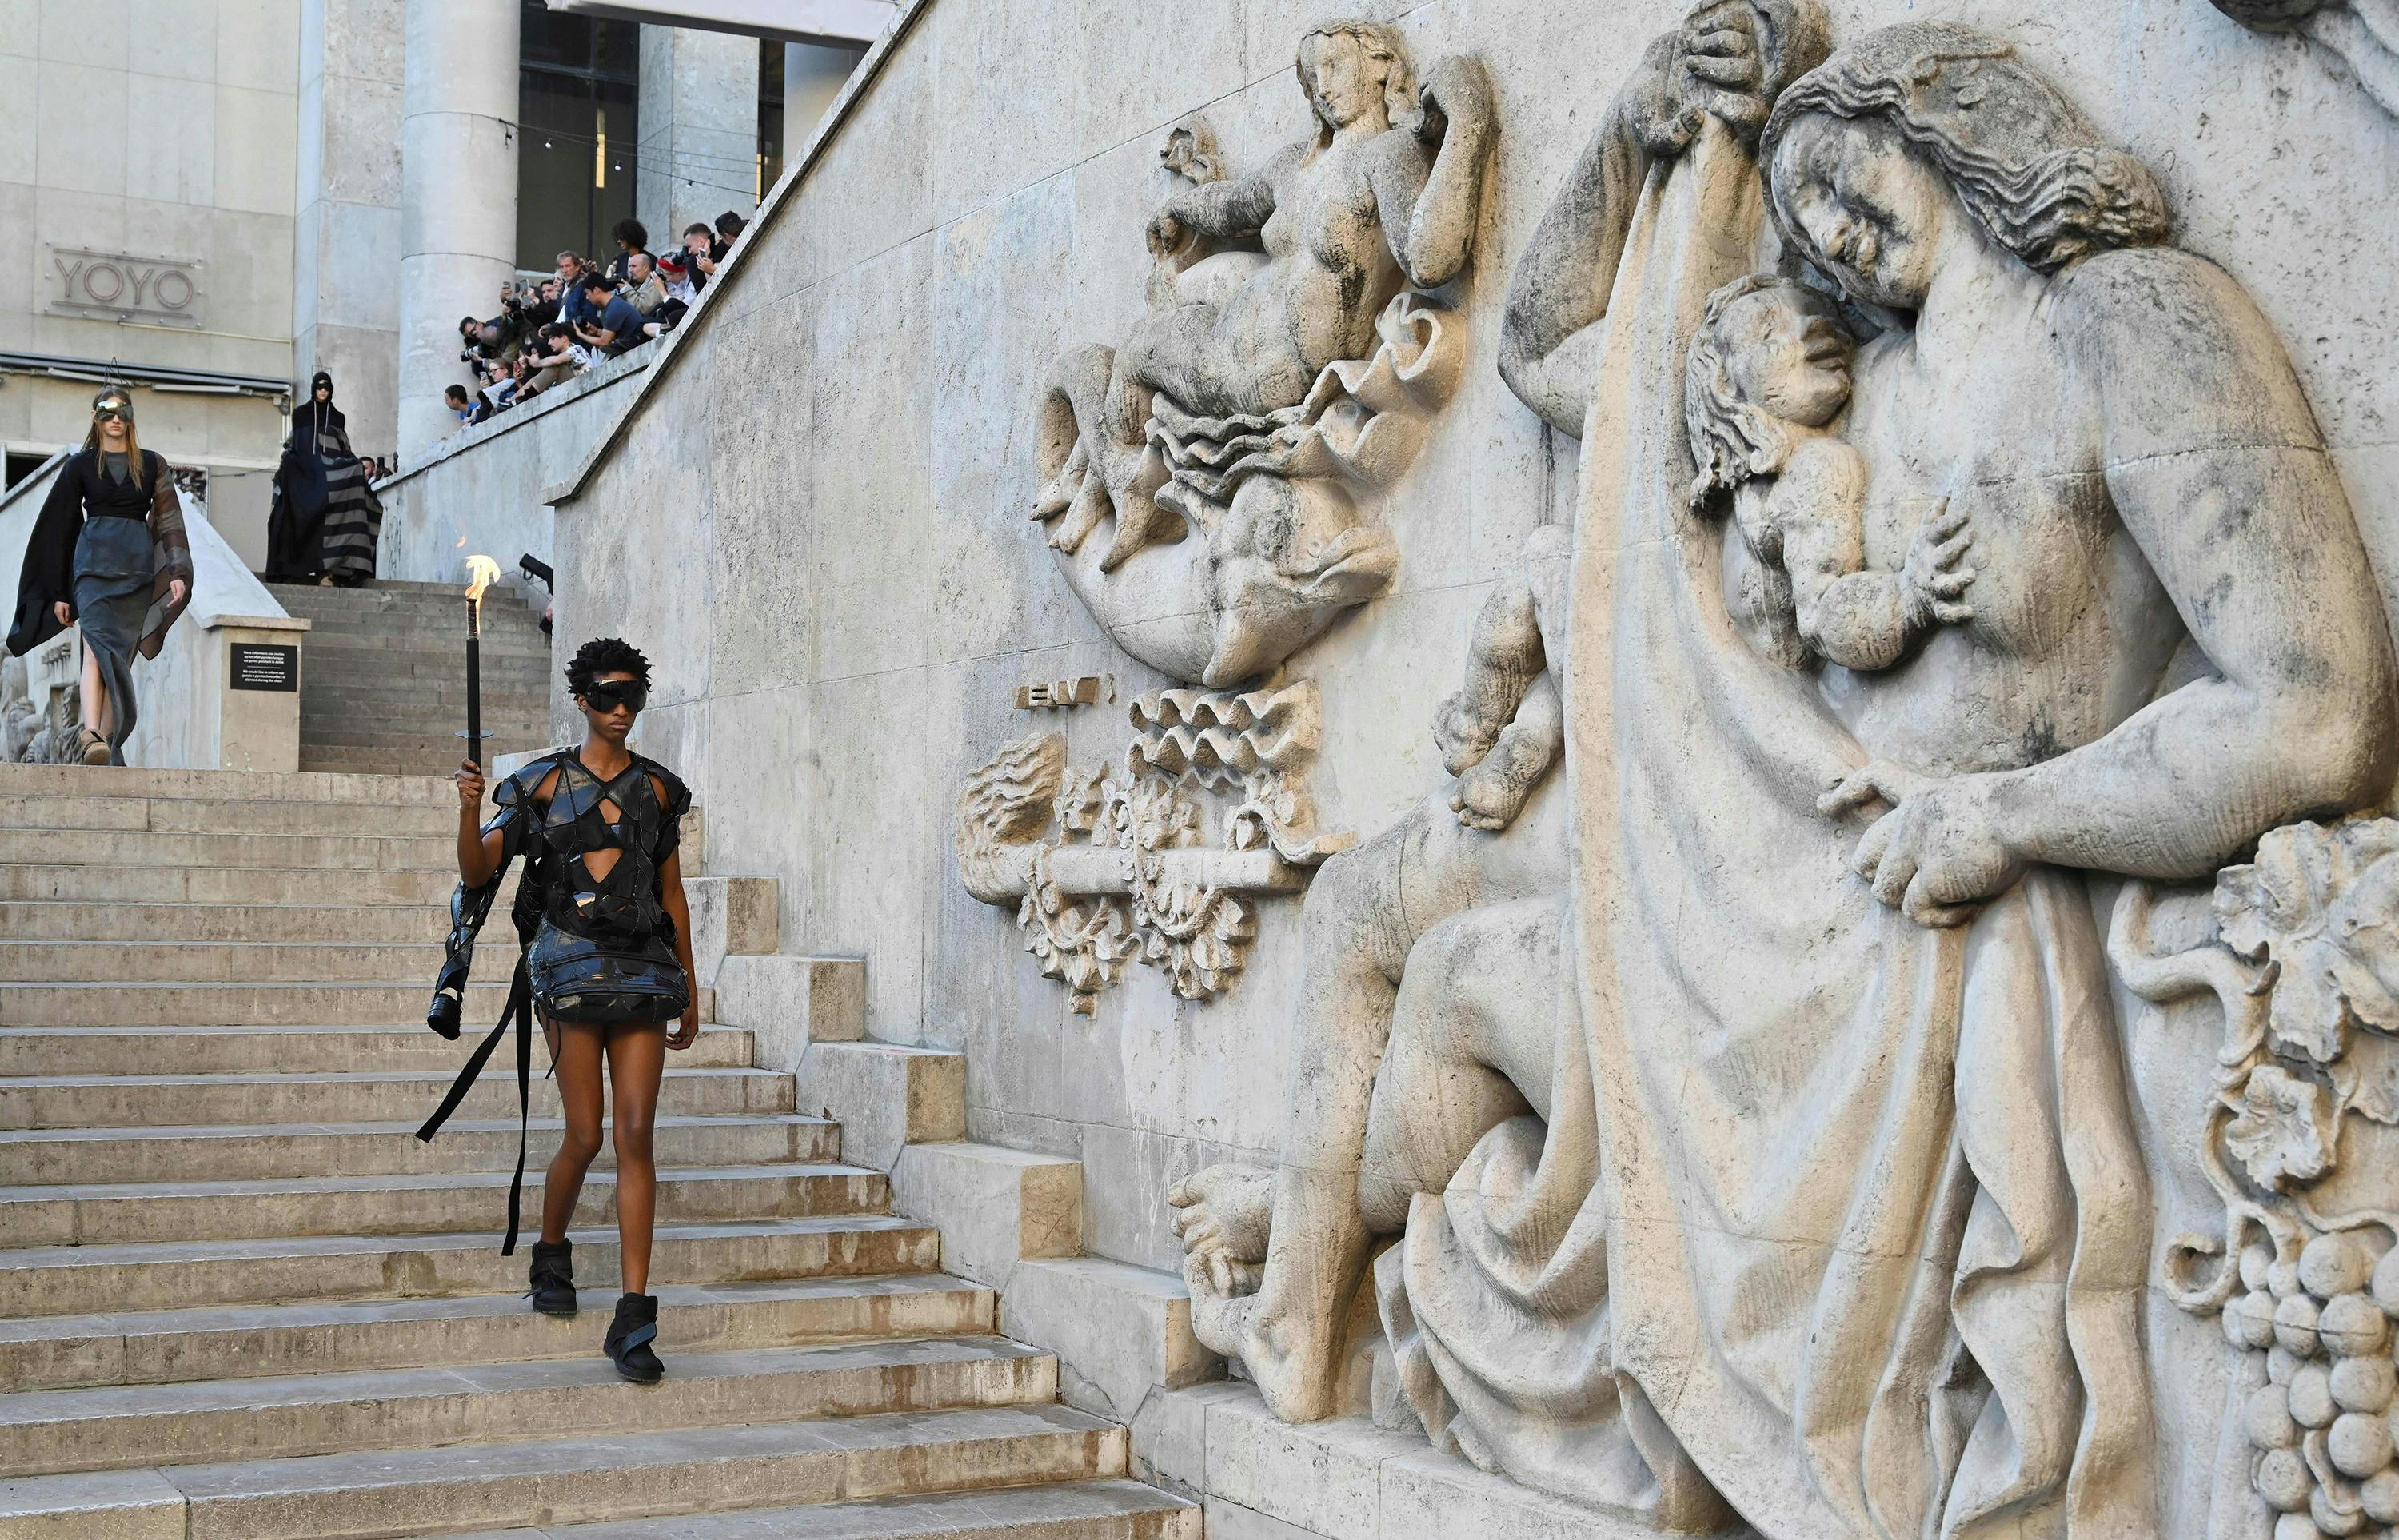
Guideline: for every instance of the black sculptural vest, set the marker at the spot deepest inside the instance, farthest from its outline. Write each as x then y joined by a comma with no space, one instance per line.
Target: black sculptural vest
597,949
604,952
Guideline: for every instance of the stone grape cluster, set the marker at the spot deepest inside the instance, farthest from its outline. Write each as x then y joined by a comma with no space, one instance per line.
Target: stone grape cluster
2324,1424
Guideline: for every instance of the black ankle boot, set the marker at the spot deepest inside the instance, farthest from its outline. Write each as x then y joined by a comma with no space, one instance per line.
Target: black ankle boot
554,1277
629,1338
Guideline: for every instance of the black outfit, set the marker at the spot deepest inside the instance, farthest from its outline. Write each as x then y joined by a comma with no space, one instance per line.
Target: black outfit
325,518
110,547
596,949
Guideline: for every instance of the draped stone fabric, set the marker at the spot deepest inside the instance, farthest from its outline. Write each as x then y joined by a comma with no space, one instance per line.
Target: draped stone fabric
1842,1216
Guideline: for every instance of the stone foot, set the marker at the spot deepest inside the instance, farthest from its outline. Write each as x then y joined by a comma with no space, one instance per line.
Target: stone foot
1490,793
1465,729
1292,1367
1224,1214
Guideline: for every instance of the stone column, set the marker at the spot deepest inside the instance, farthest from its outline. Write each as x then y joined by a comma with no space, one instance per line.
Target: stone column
345,313
813,75
458,196
700,128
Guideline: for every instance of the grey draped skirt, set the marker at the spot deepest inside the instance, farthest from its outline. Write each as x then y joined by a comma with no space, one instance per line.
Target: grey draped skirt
113,579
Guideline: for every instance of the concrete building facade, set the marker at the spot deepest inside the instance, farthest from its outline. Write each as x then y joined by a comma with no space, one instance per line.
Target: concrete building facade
206,199
147,179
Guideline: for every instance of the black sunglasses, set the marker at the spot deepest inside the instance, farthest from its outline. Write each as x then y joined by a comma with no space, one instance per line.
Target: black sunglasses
606,694
105,414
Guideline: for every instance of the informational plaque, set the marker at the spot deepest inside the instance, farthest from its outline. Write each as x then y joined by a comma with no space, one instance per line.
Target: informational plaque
258,666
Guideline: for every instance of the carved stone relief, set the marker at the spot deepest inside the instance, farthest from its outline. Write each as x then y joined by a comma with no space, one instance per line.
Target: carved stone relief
1236,446
1743,1133
36,731
1212,489
1111,864
2364,34
2305,969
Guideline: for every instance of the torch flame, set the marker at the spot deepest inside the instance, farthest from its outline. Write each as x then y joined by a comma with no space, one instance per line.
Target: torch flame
481,571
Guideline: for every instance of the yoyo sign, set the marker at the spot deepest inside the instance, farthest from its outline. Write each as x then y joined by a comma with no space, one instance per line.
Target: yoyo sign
114,286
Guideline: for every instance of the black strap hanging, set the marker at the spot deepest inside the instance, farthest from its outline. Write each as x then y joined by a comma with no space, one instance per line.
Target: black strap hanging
520,1014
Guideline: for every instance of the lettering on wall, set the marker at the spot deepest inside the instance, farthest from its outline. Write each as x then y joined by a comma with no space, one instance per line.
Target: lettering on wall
116,286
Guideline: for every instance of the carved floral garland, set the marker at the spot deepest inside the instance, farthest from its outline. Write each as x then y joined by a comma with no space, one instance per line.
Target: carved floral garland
2307,973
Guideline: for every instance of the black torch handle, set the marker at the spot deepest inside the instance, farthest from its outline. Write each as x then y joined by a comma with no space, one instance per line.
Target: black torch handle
475,699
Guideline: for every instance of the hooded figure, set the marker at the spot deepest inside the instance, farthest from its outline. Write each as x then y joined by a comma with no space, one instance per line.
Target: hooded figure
325,518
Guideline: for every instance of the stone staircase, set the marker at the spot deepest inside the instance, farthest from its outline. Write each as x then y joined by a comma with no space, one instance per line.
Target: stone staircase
239,1299
382,676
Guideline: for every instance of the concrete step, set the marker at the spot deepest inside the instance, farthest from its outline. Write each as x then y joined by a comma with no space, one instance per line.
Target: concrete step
342,1005
500,1485
418,1406
223,815
217,962
339,1336
350,663
149,884
103,1212
414,736
342,759
446,613
281,788
188,1274
46,1156
447,696
62,920
86,847
503,655
1076,1510
349,1095
284,1050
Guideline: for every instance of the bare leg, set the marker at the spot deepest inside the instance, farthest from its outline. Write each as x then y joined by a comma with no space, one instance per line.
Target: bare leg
96,714
575,1054
1473,1044
637,1056
1364,915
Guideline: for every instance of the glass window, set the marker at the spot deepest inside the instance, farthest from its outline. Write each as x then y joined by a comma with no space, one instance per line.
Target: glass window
578,95
770,116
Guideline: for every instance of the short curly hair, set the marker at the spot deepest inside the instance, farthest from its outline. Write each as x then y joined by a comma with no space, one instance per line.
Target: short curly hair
605,655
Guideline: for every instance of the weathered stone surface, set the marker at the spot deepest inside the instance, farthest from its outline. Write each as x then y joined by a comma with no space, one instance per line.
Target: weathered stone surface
995,1207
884,1095
1127,1331
1983,441
791,1002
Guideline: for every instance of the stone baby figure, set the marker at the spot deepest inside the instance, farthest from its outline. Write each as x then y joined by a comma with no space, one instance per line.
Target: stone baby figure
1767,371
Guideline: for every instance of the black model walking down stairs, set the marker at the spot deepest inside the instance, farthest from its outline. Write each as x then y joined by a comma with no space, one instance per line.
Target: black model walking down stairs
382,676
239,1301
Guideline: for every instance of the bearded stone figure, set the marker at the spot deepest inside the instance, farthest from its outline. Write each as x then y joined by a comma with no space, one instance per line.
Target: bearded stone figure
1737,1128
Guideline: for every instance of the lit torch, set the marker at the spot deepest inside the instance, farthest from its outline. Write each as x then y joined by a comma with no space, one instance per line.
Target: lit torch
482,572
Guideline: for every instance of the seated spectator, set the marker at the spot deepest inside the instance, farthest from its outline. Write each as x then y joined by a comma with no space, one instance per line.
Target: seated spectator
550,360
496,339
701,254
572,270
633,238
541,308
618,331
645,291
469,409
729,226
